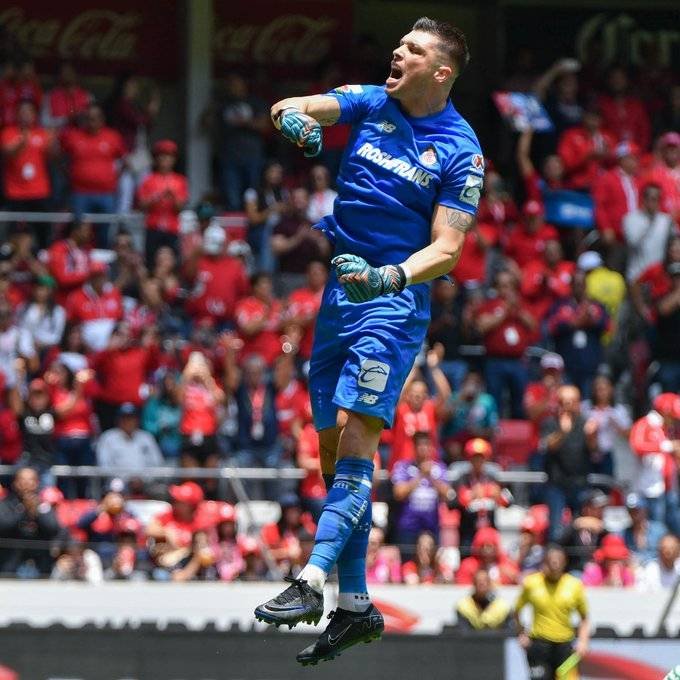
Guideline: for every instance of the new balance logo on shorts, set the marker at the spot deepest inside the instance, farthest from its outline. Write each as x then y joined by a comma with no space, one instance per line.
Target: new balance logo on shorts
369,399
373,375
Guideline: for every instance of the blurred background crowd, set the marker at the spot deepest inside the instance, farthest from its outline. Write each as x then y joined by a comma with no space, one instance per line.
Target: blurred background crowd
552,351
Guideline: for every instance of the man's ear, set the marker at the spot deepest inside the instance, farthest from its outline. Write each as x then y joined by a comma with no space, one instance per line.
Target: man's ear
443,74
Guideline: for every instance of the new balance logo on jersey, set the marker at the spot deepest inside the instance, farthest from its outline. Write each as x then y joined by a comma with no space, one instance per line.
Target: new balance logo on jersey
373,375
369,399
387,127
395,165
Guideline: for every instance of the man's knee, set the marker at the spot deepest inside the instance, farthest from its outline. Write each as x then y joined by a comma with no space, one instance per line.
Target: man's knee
371,425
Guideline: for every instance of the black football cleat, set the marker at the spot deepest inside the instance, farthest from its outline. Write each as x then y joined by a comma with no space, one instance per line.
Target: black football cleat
296,604
345,630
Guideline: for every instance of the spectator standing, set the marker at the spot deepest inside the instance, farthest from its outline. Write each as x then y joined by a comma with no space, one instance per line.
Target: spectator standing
567,445
530,553
295,243
586,532
646,232
506,329
11,444
419,486
162,195
643,535
304,304
259,318
526,241
487,554
43,318
26,149
16,343
541,397
219,280
23,517
321,196
651,439
576,326
663,572
482,609
161,416
664,172
68,258
126,446
610,565
93,152
535,184
667,310
66,100
623,114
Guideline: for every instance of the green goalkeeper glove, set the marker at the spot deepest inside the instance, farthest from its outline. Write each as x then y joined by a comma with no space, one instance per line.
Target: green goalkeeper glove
300,129
363,282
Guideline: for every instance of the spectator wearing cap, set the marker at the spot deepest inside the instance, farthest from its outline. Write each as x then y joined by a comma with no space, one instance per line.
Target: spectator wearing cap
24,517
171,532
419,486
130,561
646,231
303,306
651,439
126,447
26,148
96,307
546,280
540,397
469,412
526,241
93,151
663,572
218,280
667,310
259,319
616,193
487,554
162,195
610,565
478,492
17,350
584,150
70,395
506,328
576,326
567,458
611,422
623,114
43,318
482,609
530,551
586,531
643,534
294,243
68,259
664,173
122,371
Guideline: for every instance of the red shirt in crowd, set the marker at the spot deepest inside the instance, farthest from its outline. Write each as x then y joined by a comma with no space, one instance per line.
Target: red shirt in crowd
576,148
199,410
182,531
85,304
542,285
523,246
498,214
69,265
312,486
121,373
67,102
267,342
614,193
406,423
472,265
219,284
508,340
12,92
534,186
669,181
291,404
539,393
626,119
93,159
11,445
304,304
650,440
165,191
78,421
25,174
657,281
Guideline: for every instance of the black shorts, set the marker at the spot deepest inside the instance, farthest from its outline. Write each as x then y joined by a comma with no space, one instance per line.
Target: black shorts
546,657
200,449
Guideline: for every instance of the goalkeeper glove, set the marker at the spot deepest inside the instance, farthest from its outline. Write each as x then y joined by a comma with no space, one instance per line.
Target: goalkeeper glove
363,282
300,129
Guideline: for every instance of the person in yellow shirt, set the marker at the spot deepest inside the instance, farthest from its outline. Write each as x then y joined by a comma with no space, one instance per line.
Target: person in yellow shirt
482,609
555,597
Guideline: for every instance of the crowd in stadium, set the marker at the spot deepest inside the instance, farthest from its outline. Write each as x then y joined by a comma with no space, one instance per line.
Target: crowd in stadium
553,349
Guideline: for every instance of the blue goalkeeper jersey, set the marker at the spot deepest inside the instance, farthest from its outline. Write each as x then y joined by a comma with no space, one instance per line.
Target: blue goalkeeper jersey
394,171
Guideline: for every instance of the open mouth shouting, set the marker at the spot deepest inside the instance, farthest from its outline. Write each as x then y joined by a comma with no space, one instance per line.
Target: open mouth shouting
396,74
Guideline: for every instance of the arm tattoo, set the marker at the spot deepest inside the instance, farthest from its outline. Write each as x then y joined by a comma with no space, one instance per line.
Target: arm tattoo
459,220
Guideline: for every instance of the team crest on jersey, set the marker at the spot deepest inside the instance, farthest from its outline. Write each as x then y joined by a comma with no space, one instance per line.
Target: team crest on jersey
429,157
354,89
386,126
477,163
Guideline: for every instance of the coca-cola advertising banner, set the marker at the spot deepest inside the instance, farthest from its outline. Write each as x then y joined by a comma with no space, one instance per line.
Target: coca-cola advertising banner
100,39
286,38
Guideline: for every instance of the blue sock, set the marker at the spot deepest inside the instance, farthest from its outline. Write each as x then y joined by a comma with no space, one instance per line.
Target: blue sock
352,566
344,508
328,479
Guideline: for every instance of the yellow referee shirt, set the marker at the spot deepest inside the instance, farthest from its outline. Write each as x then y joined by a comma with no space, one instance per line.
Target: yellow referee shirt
553,605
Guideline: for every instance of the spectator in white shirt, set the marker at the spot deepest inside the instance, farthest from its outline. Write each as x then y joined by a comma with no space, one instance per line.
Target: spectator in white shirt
664,571
15,343
43,318
646,232
126,446
321,197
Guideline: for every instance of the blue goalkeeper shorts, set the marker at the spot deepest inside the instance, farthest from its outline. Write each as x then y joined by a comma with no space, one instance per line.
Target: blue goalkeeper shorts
363,353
